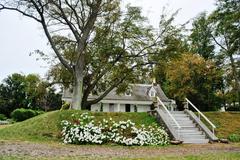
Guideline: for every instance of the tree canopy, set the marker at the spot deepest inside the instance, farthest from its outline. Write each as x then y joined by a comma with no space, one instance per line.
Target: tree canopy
30,91
99,46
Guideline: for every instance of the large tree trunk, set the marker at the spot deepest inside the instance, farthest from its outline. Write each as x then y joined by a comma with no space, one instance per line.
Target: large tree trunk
78,84
77,93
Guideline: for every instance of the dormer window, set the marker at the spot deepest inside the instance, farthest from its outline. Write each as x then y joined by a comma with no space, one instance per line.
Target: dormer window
152,92
128,92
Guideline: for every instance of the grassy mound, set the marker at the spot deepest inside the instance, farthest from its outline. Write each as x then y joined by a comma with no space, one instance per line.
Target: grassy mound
227,123
46,127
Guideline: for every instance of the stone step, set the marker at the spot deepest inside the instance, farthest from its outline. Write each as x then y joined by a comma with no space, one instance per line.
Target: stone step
197,136
195,141
185,126
177,112
192,133
180,120
180,115
189,130
182,123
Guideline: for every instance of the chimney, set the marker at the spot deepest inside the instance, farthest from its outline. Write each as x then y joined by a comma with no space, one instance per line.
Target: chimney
154,83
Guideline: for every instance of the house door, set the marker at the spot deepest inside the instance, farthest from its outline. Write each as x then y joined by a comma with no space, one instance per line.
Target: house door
127,107
111,107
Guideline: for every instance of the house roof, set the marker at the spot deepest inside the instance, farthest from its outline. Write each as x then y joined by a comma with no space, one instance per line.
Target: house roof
139,92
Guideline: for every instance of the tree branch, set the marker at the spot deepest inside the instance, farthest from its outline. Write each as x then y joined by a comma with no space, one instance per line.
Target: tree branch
218,43
45,28
115,84
88,27
2,7
69,23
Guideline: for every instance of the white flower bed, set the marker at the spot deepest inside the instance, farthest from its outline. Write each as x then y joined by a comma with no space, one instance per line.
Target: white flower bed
85,131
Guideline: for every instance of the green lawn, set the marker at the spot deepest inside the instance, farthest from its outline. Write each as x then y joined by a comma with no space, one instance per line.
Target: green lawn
227,123
46,127
221,156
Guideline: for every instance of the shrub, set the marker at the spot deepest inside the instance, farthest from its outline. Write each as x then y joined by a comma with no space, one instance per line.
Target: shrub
85,131
233,108
22,114
234,138
65,106
2,117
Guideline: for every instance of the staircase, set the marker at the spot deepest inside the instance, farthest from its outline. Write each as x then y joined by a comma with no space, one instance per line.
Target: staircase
189,132
185,125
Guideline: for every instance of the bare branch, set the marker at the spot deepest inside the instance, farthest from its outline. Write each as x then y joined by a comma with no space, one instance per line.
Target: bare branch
215,40
75,13
45,28
2,7
69,23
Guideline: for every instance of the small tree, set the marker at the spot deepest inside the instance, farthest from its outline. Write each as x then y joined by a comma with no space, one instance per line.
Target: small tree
195,78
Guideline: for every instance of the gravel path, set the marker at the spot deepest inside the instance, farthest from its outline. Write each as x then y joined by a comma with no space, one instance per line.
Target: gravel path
59,150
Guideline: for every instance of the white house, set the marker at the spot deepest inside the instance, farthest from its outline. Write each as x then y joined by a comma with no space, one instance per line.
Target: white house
139,99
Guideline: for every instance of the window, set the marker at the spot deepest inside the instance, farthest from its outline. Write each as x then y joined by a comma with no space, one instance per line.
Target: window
128,92
152,92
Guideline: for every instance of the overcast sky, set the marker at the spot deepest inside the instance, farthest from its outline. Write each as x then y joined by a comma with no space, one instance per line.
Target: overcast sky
19,36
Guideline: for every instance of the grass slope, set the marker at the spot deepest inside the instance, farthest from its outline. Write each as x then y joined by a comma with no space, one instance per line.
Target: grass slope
46,127
227,123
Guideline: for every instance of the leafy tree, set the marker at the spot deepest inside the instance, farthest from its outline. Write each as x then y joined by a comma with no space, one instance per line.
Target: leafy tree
107,46
173,44
20,91
200,37
195,78
12,93
226,35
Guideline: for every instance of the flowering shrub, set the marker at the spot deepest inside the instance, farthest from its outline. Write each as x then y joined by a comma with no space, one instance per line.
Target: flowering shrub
84,130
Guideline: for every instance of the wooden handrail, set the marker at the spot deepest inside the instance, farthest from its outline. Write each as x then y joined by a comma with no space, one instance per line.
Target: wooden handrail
174,120
199,112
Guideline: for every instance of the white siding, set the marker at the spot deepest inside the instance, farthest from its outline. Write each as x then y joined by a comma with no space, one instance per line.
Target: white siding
95,107
143,108
105,107
140,107
122,107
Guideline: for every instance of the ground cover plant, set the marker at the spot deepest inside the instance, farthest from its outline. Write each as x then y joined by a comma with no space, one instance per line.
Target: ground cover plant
47,127
85,130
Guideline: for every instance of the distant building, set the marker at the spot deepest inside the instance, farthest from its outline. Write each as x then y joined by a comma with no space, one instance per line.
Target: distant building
139,98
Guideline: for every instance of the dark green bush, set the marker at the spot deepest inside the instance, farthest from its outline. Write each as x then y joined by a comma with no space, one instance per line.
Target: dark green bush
233,109
234,138
22,114
65,106
2,117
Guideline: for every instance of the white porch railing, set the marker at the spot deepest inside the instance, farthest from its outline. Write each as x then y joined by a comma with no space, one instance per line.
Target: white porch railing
201,114
170,115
